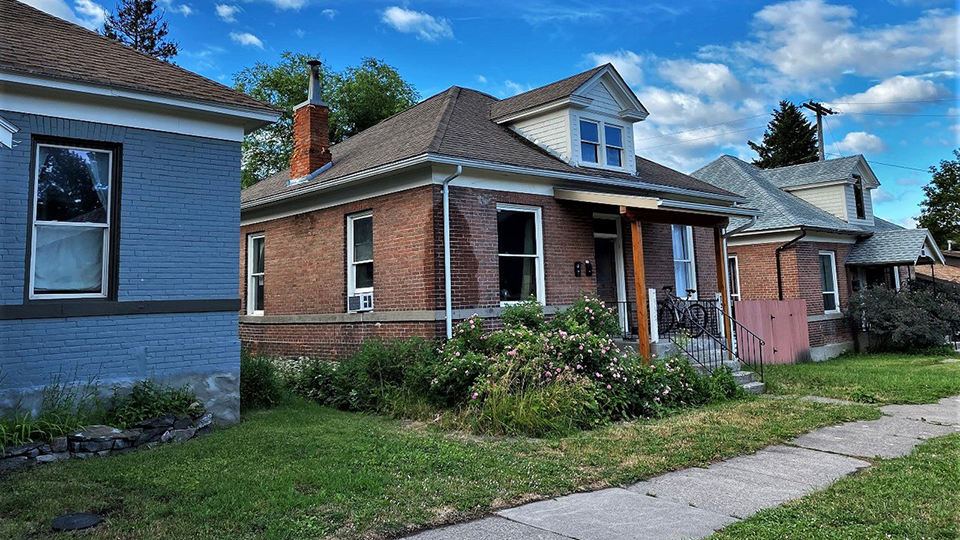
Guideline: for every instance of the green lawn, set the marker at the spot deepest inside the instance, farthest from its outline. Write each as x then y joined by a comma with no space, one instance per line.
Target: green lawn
303,471
880,378
914,497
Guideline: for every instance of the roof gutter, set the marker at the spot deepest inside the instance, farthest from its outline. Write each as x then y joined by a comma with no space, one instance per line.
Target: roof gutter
447,273
803,233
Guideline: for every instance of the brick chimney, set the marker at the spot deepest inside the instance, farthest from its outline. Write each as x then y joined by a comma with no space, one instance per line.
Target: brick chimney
311,130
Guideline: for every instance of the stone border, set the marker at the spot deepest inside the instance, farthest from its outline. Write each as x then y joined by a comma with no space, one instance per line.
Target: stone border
101,441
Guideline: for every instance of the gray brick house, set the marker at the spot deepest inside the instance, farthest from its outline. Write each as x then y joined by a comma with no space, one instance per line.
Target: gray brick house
118,229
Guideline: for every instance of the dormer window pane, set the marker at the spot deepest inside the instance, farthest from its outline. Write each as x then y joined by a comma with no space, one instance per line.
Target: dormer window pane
589,141
614,143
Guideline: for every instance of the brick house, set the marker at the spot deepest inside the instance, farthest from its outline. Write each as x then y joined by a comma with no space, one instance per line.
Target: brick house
817,240
465,203
121,182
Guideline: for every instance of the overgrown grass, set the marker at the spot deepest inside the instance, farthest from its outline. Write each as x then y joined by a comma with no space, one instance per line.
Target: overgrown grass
871,378
914,497
305,471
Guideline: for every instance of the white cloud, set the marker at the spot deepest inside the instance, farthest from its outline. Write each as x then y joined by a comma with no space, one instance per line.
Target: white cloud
329,13
423,25
299,32
701,77
182,9
288,4
227,12
86,13
893,94
246,39
628,63
481,79
861,142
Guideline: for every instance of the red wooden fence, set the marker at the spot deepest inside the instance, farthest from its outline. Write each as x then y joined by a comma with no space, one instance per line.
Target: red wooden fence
781,324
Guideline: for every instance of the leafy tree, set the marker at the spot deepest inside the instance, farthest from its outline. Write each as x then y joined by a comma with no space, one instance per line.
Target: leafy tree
137,24
940,210
359,97
790,139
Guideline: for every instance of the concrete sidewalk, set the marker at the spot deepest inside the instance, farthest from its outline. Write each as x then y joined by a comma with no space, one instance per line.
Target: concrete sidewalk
695,503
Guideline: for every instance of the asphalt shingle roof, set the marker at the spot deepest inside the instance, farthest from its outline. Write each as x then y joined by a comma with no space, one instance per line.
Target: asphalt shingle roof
456,123
36,43
889,247
543,95
780,209
813,173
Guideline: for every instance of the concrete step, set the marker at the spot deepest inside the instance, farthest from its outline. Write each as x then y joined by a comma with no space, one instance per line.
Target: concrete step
743,377
754,387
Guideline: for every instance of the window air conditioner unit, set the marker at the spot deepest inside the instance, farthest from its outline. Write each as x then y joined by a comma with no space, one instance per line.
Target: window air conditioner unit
360,302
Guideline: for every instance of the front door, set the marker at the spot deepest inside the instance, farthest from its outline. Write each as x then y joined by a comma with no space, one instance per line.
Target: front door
608,264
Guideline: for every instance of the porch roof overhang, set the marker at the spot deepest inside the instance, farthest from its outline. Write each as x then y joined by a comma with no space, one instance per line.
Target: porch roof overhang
659,210
905,246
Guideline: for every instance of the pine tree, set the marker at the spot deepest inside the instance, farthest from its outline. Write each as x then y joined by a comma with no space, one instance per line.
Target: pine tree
136,24
790,139
940,210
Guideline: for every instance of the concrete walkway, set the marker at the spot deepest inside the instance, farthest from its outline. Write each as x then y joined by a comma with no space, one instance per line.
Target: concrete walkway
695,503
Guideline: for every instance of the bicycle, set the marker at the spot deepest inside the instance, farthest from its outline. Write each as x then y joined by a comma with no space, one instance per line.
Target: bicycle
672,312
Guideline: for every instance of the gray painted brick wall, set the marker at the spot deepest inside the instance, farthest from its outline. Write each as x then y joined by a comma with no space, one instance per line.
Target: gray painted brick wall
179,228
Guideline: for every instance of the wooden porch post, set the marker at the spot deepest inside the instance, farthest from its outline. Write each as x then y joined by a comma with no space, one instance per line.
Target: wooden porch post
640,286
722,282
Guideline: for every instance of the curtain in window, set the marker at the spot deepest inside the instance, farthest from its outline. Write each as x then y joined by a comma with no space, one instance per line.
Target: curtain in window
529,283
68,259
682,260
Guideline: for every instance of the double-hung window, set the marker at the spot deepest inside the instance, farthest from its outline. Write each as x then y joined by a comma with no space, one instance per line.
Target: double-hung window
613,139
360,262
828,278
72,219
733,277
684,264
589,141
255,273
520,249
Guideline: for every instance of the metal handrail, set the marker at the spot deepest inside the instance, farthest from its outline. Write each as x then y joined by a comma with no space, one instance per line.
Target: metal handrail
755,344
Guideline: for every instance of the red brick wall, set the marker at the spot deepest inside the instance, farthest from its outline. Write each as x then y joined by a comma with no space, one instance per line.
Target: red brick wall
327,340
800,269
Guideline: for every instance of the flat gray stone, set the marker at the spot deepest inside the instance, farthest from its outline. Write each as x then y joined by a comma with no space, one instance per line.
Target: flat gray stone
947,412
618,514
896,426
816,469
855,441
492,528
732,492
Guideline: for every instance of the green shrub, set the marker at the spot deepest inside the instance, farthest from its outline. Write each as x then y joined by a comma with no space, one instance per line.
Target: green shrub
914,318
260,384
65,407
590,312
536,411
148,399
528,313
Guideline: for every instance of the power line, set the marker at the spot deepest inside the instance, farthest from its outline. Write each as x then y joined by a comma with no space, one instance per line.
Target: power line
890,102
901,114
872,162
702,138
834,137
703,127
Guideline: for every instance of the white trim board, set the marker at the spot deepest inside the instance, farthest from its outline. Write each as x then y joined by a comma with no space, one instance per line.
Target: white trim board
782,237
114,107
6,132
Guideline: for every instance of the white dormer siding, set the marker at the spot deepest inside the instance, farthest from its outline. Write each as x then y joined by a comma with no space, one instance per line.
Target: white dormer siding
549,131
830,198
605,110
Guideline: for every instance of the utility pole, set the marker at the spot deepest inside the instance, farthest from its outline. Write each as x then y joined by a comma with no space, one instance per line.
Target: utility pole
821,112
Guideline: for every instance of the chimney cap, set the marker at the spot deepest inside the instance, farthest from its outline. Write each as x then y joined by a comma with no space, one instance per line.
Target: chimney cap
313,90
313,63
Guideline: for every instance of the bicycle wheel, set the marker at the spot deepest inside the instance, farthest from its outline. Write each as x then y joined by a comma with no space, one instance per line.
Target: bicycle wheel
695,317
666,319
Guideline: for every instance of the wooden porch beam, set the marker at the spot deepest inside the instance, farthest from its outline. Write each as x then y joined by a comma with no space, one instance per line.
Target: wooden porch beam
672,217
640,286
722,283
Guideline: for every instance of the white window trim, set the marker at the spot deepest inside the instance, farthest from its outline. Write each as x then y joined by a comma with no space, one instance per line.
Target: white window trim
693,263
352,289
836,285
602,144
251,289
735,278
104,280
538,234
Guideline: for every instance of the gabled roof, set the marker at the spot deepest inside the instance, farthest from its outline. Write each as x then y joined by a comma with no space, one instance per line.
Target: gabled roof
818,172
35,43
780,209
543,95
457,123
905,246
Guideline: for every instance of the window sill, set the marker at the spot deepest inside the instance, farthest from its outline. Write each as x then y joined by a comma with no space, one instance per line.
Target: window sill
827,316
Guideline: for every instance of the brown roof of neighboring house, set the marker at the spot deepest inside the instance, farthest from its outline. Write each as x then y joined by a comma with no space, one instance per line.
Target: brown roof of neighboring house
543,95
942,272
456,123
36,43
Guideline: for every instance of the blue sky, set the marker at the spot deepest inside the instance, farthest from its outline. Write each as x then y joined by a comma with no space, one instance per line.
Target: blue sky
708,71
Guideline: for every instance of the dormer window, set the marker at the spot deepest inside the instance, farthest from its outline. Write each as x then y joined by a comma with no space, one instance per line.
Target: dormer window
614,143
858,198
589,142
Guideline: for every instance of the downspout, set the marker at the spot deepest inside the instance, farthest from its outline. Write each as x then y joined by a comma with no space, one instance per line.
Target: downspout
803,233
447,292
